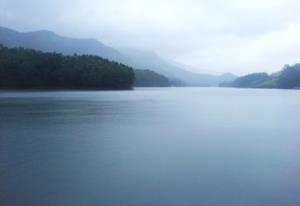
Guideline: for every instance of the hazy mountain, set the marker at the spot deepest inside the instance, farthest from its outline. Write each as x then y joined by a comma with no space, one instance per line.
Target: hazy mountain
227,77
191,68
150,60
48,41
51,42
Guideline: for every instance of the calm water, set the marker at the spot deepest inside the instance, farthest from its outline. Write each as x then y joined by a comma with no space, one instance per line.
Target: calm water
150,147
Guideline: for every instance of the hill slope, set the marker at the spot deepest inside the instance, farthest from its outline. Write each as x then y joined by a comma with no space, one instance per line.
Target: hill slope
287,78
48,41
148,78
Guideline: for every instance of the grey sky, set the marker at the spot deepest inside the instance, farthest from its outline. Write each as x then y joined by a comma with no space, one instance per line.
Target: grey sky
219,35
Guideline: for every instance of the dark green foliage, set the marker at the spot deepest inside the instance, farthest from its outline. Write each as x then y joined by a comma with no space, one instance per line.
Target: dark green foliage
147,78
29,69
288,78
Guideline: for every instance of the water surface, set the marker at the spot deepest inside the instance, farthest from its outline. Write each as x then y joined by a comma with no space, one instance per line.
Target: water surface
150,147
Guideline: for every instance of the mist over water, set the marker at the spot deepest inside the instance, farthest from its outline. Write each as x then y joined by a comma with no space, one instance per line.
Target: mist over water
170,146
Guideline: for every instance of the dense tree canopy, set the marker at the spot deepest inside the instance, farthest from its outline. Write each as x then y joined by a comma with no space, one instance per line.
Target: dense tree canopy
30,69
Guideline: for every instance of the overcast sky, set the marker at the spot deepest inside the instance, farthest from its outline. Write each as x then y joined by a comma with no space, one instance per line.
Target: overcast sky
239,36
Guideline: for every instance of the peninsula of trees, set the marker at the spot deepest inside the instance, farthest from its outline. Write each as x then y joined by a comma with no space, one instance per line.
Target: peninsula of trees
30,69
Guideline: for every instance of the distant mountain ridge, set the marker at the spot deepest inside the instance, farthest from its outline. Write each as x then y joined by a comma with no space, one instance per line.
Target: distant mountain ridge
48,41
152,61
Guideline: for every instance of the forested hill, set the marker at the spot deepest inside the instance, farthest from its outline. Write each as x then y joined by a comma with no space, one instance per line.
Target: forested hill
29,69
288,78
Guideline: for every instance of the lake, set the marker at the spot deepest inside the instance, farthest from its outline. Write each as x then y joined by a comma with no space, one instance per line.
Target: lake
150,147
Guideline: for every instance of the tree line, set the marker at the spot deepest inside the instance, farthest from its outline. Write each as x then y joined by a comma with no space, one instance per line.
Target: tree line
30,69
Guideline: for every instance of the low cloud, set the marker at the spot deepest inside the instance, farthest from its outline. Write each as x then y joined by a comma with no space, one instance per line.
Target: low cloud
217,35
